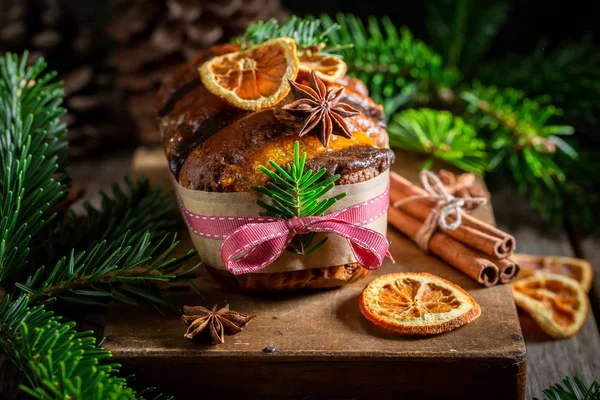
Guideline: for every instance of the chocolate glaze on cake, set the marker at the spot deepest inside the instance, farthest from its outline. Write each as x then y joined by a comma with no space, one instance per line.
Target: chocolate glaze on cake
211,144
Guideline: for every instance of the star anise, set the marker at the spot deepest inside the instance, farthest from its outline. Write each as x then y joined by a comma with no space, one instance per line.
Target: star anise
322,106
217,322
462,185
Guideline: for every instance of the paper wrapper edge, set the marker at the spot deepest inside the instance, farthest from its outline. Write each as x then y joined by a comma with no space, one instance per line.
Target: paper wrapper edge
336,251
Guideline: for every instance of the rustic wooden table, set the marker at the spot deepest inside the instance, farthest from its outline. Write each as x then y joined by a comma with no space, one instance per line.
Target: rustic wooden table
548,361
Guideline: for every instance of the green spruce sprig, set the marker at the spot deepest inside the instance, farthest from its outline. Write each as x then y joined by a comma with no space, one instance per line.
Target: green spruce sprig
118,252
126,274
395,66
89,260
517,121
131,206
521,132
574,389
57,361
309,34
32,157
440,135
296,191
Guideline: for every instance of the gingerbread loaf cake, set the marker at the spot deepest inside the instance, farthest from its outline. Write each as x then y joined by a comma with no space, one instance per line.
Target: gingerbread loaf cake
214,146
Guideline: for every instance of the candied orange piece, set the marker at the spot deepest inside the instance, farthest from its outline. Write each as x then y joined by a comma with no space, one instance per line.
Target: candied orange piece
417,304
326,67
575,268
255,78
556,302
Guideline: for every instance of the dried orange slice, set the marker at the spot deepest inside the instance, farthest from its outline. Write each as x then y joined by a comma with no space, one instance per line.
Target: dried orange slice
413,303
327,67
255,78
557,303
575,268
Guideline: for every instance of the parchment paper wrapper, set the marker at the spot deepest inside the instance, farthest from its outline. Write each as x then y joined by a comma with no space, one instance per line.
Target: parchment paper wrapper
336,251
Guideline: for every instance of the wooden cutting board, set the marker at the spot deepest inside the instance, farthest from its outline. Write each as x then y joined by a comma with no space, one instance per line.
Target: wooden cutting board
324,346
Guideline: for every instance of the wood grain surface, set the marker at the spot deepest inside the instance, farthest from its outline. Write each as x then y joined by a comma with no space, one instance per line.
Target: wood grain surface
590,250
324,347
548,360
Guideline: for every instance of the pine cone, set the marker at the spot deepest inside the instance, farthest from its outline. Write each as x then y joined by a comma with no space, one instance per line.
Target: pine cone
67,38
155,36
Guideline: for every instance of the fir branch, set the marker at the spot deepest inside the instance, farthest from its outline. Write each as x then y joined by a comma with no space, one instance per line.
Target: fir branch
461,30
296,192
309,34
32,156
568,75
138,208
440,135
574,389
523,141
520,127
124,274
390,62
58,362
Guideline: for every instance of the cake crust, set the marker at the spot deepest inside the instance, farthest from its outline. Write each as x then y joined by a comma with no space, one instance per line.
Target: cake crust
313,278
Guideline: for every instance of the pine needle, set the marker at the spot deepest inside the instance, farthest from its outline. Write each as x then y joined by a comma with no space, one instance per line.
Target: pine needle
118,252
522,141
395,66
309,34
58,362
440,135
574,389
32,156
296,192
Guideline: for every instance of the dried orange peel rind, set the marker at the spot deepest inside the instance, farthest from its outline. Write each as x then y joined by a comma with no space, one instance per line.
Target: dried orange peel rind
557,303
576,268
255,78
414,303
329,68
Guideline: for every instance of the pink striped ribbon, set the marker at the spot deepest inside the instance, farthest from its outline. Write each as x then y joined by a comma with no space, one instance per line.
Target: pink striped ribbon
252,243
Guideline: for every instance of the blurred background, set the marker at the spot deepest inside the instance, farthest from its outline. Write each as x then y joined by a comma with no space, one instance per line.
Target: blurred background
112,55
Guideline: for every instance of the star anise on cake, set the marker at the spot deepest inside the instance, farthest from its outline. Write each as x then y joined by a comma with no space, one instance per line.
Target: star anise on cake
322,107
216,322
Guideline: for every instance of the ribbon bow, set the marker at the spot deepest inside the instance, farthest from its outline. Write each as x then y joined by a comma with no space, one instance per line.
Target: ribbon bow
448,211
251,243
263,243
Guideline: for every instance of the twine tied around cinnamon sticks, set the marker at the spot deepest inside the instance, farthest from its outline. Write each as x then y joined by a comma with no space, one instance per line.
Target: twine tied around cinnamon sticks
433,215
447,212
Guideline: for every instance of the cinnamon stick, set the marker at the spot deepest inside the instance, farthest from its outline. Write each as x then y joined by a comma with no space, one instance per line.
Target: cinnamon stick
508,270
477,234
462,257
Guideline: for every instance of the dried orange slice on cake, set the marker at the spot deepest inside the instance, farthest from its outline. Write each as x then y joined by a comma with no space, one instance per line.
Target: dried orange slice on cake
575,268
327,67
255,78
417,304
557,303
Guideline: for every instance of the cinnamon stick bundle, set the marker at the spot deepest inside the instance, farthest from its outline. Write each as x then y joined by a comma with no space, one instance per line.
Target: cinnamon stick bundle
472,232
472,263
478,249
